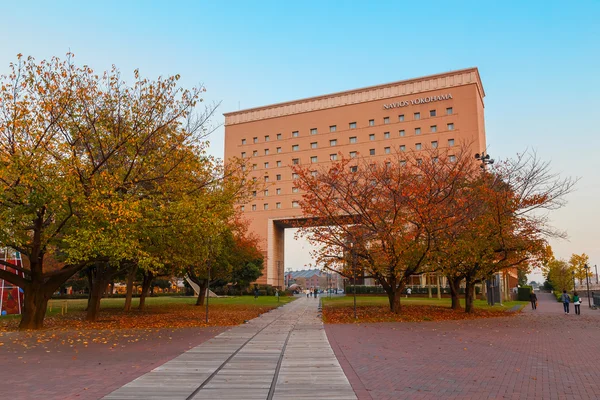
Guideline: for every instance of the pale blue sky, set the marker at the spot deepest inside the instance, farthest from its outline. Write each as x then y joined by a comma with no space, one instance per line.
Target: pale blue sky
538,62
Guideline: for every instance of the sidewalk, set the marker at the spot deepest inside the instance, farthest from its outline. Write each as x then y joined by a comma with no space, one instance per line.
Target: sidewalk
283,354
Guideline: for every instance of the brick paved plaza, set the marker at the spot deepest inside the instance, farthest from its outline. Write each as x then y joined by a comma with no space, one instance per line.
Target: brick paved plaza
534,355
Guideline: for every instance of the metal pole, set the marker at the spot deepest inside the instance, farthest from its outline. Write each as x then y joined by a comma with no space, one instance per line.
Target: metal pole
354,273
596,267
587,281
207,292
573,274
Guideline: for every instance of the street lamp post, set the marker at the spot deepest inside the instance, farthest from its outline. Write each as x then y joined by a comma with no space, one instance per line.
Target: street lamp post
207,291
353,276
596,268
573,274
587,281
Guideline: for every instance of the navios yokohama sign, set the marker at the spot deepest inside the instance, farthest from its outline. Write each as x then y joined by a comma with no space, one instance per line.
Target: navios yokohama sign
420,100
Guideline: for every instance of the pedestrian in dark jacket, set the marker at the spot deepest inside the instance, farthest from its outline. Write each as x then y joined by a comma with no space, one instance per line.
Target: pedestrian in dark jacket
564,297
533,300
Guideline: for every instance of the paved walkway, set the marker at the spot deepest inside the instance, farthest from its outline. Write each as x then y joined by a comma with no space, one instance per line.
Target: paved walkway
283,354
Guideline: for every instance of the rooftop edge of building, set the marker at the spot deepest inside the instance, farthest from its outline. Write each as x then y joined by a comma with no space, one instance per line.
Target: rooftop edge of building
424,83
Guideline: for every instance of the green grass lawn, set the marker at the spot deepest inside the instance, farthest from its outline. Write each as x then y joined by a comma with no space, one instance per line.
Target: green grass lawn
347,300
55,305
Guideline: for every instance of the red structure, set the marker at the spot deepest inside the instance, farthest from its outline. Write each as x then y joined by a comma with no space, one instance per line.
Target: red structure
11,296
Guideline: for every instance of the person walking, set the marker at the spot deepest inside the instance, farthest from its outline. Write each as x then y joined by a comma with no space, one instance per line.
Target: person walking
307,292
565,300
256,293
577,303
533,300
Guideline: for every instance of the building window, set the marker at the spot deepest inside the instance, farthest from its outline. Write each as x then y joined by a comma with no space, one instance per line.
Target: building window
279,149
353,168
295,204
266,152
417,131
243,167
435,159
452,158
386,135
386,120
279,136
333,142
294,190
371,152
255,153
295,161
402,147
294,175
253,207
450,142
419,161
313,145
332,128
279,163
372,136
402,162
450,126
255,140
265,206
266,191
313,131
243,208
432,113
277,205
295,134
278,191
402,133
278,177
254,167
313,173
371,122
267,138
417,115
333,157
266,165
387,150
352,125
243,142
266,178
352,154
401,117
313,159
418,146
353,139
243,154
295,147
433,128
449,111
434,145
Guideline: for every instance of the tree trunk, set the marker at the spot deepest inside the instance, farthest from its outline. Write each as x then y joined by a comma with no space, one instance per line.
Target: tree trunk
454,283
469,295
89,274
94,302
129,289
394,296
439,289
203,284
148,278
35,303
428,281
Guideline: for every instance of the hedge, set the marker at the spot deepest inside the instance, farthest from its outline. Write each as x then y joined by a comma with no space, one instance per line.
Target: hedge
362,289
523,293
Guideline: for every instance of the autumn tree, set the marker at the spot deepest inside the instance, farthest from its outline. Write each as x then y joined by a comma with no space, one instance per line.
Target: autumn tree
381,217
78,153
507,226
577,263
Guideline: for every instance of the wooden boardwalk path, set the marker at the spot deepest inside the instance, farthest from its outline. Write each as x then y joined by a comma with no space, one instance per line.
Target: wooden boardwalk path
283,354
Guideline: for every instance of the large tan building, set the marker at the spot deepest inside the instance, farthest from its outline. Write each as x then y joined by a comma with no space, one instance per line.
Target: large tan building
437,110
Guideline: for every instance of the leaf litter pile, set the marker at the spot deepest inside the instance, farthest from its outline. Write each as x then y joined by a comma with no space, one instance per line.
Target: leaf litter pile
409,313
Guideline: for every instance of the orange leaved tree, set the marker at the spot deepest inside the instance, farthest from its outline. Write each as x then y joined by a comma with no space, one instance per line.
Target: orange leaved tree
381,217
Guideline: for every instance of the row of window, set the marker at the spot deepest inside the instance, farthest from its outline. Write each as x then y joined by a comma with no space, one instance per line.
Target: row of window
295,204
352,140
372,152
352,125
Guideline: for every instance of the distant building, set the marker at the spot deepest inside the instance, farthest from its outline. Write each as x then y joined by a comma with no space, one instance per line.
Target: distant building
310,278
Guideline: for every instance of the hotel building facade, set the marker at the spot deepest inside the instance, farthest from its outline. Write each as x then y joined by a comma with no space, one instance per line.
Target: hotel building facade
440,110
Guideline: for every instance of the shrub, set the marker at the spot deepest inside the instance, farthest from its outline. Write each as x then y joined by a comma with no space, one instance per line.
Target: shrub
523,293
